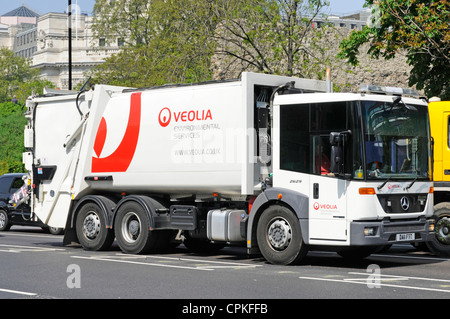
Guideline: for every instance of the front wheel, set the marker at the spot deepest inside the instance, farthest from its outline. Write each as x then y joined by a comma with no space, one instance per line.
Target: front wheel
279,236
440,243
4,221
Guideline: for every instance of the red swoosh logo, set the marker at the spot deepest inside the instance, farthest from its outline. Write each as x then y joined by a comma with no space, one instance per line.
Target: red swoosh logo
120,160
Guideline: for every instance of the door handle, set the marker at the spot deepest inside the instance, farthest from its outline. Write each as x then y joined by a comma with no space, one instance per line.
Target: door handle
316,190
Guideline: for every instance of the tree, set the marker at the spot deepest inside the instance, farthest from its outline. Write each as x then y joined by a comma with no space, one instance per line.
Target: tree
183,41
271,36
18,78
12,123
421,28
132,21
164,41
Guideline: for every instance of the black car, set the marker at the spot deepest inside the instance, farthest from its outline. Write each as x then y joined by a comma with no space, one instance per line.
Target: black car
11,214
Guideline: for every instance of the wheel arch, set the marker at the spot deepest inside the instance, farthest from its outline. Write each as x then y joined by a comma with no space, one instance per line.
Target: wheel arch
294,201
106,204
151,206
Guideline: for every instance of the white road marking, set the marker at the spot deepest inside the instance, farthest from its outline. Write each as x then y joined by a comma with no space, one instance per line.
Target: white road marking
223,263
137,262
208,265
18,292
411,257
18,248
403,277
363,281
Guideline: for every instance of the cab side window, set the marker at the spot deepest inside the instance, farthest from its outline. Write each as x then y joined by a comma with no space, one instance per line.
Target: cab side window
305,135
294,138
325,118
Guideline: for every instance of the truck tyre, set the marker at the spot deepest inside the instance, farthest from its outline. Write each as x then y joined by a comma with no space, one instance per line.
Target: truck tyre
4,221
279,236
132,229
91,228
440,243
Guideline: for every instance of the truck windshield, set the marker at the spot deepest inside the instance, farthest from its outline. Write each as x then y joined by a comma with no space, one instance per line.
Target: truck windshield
396,140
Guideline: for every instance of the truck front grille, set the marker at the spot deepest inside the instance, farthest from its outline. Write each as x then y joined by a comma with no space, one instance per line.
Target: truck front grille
402,203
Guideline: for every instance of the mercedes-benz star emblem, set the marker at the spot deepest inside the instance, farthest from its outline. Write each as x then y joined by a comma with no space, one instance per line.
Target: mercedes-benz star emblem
404,203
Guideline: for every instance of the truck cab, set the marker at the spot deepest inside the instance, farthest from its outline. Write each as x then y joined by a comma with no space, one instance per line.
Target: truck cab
440,133
363,160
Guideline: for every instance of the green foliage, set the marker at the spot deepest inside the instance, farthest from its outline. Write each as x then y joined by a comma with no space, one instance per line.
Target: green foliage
418,27
171,41
17,78
165,41
12,123
272,36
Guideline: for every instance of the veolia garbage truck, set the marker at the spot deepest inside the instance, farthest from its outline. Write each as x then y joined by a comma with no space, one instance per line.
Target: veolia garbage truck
278,164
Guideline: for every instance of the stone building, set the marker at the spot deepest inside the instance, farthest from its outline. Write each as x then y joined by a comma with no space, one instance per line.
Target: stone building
44,40
52,53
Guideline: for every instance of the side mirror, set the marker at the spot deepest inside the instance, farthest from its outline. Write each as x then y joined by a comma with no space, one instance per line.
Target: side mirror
337,154
336,159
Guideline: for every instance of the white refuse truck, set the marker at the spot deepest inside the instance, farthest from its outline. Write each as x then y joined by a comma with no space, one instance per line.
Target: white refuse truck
271,162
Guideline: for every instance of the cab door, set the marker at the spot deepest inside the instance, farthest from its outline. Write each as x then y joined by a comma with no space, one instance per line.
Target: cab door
328,200
303,132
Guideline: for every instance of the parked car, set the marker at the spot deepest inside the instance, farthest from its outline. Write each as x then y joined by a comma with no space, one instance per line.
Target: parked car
18,214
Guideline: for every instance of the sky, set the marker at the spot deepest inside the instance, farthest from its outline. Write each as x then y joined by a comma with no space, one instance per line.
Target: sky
86,6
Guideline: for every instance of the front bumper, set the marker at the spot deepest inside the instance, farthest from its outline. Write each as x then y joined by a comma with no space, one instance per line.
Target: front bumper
384,232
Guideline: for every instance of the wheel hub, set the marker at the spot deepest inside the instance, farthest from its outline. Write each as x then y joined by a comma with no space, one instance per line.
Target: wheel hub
2,220
131,227
443,230
91,225
279,234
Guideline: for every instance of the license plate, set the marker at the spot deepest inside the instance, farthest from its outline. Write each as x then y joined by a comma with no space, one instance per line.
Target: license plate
405,237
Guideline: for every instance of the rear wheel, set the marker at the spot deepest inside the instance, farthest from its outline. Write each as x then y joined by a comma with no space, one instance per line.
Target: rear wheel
279,236
440,243
132,229
91,228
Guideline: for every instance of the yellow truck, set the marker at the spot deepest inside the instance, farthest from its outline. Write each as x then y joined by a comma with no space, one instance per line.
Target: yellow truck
439,112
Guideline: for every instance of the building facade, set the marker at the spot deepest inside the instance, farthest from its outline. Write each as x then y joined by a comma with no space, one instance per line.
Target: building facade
44,40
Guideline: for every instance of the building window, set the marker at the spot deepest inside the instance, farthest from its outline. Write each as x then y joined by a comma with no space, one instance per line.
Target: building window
102,42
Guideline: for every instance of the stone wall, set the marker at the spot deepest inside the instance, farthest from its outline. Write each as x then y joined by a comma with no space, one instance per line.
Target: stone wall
393,72
346,78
